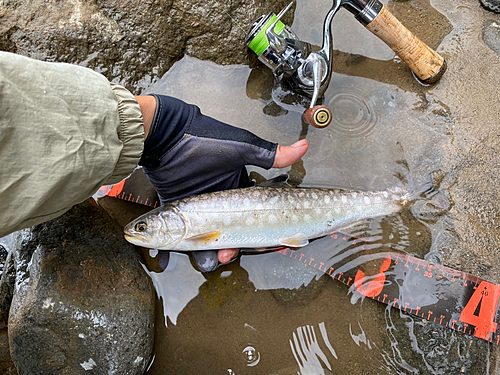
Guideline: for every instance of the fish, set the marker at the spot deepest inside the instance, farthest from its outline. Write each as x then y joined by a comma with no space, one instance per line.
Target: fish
259,217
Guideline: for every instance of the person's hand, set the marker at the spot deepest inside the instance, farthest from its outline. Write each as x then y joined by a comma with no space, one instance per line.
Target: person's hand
187,153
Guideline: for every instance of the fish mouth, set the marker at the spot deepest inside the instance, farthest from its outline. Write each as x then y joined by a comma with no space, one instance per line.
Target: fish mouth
133,239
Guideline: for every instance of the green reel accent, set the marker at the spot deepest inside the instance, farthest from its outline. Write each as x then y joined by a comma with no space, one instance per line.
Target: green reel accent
260,42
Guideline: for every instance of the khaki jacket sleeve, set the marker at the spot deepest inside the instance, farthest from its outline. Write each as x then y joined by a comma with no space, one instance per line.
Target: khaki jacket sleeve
64,132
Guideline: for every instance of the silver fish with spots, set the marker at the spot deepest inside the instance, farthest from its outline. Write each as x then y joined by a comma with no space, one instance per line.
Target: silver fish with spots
259,217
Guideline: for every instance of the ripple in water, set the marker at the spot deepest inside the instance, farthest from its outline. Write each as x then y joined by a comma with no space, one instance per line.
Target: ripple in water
353,115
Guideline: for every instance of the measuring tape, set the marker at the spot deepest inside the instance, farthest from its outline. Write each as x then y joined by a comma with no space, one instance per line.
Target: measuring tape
135,188
429,291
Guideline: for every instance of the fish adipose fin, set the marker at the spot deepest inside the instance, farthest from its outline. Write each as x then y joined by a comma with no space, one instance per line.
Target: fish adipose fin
297,240
204,238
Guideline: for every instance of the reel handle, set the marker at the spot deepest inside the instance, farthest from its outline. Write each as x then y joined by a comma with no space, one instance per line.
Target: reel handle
427,65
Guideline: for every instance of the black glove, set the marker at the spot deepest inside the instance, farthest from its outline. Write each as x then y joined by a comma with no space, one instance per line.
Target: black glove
187,153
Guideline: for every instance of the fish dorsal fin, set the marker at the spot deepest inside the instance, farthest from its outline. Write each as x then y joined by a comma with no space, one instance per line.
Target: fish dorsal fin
204,238
278,181
297,240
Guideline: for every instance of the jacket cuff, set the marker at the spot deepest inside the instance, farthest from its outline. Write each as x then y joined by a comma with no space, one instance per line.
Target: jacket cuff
130,133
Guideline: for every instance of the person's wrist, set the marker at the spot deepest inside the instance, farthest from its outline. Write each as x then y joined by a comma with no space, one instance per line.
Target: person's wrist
148,108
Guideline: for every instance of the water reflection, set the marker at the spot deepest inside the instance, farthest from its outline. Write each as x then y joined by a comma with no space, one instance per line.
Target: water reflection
176,285
353,114
310,358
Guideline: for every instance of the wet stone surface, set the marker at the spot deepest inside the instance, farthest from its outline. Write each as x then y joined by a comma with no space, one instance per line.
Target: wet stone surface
491,35
3,257
81,300
7,367
7,280
493,5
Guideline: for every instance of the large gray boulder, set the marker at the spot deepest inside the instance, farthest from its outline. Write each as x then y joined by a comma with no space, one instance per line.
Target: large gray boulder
82,301
131,42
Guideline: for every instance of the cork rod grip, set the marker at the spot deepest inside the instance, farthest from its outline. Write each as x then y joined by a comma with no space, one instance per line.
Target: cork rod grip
426,63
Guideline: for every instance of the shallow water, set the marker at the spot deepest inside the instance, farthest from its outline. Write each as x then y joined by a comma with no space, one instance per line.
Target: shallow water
267,314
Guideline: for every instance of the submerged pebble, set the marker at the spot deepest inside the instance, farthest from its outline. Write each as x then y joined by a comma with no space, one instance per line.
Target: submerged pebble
491,35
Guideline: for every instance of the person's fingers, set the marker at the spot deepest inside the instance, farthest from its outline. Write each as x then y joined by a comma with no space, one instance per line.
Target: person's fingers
287,155
226,255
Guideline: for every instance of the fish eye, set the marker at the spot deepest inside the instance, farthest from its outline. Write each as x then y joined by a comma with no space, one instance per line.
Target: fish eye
141,226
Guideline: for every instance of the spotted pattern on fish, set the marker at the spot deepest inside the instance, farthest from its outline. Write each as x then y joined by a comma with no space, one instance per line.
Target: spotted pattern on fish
260,216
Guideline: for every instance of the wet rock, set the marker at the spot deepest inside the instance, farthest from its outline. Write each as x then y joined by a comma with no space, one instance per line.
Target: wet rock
206,261
7,367
7,281
7,289
7,278
493,5
131,42
491,35
82,301
3,258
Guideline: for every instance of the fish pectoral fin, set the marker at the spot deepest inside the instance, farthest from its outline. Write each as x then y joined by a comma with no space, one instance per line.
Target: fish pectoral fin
297,240
204,237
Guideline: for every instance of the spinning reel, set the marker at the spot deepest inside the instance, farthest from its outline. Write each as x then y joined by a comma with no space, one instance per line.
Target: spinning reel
309,72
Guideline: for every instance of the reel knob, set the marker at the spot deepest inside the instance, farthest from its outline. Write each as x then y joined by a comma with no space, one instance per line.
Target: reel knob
319,116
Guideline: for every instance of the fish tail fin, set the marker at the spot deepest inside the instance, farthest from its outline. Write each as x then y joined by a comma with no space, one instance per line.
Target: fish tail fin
423,185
